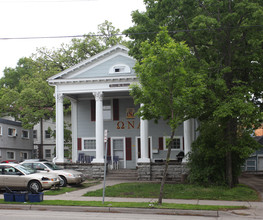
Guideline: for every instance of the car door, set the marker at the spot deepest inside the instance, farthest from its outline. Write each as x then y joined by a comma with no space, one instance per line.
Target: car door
1,176
13,177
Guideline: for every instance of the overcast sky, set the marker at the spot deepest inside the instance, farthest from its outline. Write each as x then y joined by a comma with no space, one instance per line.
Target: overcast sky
44,18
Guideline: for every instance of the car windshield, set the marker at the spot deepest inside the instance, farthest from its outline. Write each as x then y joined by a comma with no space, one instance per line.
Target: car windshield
25,170
53,166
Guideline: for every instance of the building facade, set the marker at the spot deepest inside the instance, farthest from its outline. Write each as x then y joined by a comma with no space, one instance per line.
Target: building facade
104,112
16,143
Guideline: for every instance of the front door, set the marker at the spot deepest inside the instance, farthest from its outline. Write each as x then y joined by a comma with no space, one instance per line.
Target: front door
118,153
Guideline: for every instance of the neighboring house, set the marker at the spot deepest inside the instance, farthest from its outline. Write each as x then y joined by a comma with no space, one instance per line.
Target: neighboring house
48,142
255,161
16,143
99,92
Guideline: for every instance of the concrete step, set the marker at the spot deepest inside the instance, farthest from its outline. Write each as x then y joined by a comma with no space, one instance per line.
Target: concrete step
122,174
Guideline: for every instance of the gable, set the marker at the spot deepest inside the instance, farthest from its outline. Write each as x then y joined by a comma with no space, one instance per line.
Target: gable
116,65
111,62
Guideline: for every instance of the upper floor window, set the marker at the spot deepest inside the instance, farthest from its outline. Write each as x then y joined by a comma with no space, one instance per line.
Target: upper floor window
120,68
107,110
25,134
34,133
47,134
12,132
1,130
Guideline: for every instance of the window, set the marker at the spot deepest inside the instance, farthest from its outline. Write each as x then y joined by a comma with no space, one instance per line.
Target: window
176,143
107,110
23,155
1,130
25,134
48,153
89,144
120,68
12,132
10,155
35,134
47,134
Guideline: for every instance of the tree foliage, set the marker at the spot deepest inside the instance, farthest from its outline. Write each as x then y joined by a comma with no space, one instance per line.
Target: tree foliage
171,84
25,93
227,37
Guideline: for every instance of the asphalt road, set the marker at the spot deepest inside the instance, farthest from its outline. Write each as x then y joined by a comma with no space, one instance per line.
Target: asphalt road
54,215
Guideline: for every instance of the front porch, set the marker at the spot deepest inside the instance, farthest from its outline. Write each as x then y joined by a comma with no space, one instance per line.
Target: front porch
152,171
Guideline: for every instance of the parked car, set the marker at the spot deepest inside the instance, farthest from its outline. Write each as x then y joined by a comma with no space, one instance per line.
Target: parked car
16,176
9,161
67,176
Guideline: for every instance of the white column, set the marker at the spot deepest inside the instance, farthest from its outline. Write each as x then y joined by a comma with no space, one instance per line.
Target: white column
59,128
144,142
74,131
99,128
187,138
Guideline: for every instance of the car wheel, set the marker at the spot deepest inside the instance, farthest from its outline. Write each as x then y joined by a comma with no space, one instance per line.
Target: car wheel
63,181
34,186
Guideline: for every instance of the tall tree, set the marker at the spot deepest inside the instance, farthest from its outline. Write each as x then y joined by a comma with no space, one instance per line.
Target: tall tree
24,91
171,85
227,36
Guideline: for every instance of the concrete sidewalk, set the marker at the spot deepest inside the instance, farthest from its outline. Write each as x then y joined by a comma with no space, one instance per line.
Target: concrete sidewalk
255,209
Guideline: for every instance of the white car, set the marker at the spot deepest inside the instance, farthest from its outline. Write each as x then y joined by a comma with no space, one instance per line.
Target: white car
16,176
67,176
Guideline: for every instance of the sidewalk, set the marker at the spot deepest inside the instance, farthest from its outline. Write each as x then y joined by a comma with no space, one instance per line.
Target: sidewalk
255,209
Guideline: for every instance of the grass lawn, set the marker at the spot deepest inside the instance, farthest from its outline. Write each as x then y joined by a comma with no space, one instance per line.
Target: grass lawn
178,191
129,205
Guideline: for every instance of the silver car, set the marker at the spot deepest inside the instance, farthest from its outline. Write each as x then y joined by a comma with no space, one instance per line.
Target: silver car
16,176
67,176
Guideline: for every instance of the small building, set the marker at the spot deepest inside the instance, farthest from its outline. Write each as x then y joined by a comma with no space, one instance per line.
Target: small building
99,90
255,162
16,143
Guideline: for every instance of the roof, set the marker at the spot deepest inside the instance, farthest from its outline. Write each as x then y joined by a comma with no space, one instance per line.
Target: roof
9,122
259,139
89,60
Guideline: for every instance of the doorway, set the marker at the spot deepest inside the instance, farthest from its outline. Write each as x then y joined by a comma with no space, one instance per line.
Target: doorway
118,152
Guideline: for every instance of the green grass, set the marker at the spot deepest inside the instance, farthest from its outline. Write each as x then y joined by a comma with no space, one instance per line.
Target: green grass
62,190
178,191
129,205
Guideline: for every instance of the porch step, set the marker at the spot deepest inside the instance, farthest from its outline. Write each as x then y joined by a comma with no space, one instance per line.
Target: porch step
122,174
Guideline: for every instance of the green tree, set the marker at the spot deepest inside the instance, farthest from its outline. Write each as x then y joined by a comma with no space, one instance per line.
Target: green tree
227,36
170,85
24,91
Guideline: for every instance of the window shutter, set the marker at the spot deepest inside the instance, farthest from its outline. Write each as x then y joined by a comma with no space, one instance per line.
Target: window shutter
160,143
79,143
183,143
93,110
128,149
109,148
139,147
116,109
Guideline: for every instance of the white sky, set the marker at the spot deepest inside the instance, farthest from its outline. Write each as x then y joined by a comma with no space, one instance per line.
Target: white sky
42,18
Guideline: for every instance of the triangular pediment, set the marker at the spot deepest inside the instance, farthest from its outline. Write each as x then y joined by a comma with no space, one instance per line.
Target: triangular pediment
113,62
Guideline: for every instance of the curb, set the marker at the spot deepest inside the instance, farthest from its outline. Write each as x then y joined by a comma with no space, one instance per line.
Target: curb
111,210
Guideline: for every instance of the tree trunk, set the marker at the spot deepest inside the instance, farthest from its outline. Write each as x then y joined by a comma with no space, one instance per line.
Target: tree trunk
229,172
165,168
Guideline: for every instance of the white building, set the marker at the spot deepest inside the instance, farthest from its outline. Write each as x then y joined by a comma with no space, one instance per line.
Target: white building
99,92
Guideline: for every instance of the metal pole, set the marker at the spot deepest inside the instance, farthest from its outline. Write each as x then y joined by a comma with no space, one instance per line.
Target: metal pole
105,166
